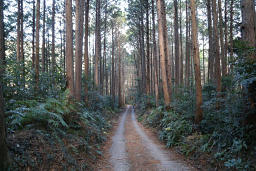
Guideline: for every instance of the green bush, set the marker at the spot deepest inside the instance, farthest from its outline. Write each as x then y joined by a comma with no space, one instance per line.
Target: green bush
71,125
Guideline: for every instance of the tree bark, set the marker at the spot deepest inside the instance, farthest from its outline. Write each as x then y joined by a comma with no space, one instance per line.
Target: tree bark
120,101
86,55
4,157
249,37
147,49
216,48
160,12
20,47
79,48
225,71
203,61
43,43
113,64
104,74
22,59
69,48
97,44
231,34
64,40
33,35
177,46
37,44
181,49
222,55
199,99
248,25
167,53
53,41
18,32
210,53
187,68
154,55
143,61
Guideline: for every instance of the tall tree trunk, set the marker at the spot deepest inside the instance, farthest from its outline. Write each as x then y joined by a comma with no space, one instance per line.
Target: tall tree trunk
177,46
181,48
37,44
97,44
61,49
33,35
143,61
69,48
190,53
248,25
43,43
47,52
187,47
231,34
104,76
210,53
79,48
120,101
154,54
172,52
22,59
20,46
148,51
216,48
249,37
113,64
225,71
86,57
4,158
18,32
160,12
222,55
199,99
203,61
167,54
53,41
64,40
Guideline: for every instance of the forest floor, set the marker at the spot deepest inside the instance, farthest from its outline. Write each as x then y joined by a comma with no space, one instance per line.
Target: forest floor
131,146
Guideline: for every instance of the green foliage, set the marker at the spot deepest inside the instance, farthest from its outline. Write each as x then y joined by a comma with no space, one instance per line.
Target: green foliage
144,102
61,120
19,88
224,136
99,102
154,118
174,128
48,114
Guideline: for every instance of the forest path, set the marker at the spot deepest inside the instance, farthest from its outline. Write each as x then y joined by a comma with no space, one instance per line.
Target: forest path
135,148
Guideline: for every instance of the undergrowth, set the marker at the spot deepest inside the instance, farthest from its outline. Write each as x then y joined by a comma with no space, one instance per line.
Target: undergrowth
221,141
226,137
44,132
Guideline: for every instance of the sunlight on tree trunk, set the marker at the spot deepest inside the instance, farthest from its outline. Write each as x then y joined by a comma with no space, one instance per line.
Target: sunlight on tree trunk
160,12
199,99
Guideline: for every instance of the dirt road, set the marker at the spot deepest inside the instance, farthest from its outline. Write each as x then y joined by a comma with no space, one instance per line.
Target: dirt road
135,148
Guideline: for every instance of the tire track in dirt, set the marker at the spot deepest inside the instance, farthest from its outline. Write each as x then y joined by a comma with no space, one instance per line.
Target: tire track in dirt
139,157
164,162
118,151
135,148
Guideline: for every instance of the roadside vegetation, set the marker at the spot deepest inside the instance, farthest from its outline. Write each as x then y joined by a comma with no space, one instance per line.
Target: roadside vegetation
50,130
226,137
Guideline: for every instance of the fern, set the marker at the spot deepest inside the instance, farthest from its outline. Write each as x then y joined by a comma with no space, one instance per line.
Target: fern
16,116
